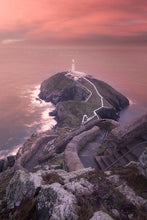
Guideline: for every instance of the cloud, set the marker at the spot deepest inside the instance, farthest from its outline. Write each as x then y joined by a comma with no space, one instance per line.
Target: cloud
11,41
62,21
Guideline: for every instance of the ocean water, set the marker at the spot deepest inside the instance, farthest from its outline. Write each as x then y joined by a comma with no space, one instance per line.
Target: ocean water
22,70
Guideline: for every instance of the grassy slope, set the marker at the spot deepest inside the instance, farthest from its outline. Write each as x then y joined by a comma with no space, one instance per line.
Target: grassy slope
76,109
58,82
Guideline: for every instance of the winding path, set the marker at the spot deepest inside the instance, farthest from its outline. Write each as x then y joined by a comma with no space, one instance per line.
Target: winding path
77,75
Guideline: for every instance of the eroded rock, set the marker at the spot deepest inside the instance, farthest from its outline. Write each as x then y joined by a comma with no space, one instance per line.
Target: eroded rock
20,187
100,215
56,203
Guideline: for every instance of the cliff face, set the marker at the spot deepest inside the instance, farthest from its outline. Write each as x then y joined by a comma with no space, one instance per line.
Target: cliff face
75,98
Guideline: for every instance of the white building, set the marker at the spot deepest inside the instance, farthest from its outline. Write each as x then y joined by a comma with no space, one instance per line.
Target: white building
73,65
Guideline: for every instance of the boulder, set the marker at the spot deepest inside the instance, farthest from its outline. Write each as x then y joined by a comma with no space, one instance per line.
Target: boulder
130,195
20,187
54,202
100,215
80,187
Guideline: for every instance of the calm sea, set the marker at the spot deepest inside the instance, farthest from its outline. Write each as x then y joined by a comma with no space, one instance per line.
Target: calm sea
22,70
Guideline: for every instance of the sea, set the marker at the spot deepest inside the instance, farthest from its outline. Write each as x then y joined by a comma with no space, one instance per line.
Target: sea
23,68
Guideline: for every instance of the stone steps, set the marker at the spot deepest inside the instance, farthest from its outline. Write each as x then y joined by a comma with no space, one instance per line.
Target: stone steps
123,156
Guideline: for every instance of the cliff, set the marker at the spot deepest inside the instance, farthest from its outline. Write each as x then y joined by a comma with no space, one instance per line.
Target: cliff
68,172
77,97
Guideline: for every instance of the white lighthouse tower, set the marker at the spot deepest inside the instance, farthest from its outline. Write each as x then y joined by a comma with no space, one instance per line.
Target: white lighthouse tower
73,65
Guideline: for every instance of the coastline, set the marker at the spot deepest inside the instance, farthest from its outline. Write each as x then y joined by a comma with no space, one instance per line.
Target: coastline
39,125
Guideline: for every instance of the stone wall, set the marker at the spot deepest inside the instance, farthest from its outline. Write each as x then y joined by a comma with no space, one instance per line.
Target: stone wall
71,158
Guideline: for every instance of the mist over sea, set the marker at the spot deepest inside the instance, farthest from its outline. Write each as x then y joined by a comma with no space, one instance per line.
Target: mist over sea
22,69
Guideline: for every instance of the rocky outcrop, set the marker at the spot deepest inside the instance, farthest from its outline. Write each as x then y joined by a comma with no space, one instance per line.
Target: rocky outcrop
100,215
73,99
60,88
19,187
127,133
72,161
108,113
54,202
142,166
115,98
127,191
6,163
24,156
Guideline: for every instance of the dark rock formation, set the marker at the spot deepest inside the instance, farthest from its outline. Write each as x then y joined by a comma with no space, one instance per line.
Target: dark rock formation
69,95
108,113
5,163
115,98
60,88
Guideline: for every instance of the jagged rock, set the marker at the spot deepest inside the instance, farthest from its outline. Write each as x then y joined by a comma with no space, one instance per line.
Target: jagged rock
115,179
130,194
126,133
100,215
10,160
80,187
108,113
19,187
60,88
53,202
142,166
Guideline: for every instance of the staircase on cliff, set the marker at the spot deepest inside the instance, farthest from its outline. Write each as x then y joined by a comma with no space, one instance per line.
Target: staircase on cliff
122,156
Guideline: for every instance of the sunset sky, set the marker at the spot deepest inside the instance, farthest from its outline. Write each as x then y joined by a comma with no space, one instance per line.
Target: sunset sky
70,22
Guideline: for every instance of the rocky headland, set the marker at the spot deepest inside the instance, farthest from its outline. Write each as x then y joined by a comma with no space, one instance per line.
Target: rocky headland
95,170
75,98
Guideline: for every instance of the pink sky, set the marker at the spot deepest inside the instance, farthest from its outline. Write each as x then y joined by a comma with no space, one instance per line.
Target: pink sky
82,22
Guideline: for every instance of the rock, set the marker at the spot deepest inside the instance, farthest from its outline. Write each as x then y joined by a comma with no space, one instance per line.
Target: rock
115,179
69,95
10,160
142,165
126,133
115,212
80,187
100,215
53,202
130,195
60,88
116,99
108,173
109,113
2,164
19,187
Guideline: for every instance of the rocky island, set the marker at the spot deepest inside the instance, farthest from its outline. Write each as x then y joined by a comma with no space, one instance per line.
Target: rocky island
76,95
90,167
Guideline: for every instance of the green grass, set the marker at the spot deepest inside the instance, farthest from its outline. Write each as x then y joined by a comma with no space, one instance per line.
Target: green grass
58,82
75,111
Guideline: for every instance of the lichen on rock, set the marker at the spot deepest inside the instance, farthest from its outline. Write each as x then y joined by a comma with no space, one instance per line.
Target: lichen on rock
54,202
20,186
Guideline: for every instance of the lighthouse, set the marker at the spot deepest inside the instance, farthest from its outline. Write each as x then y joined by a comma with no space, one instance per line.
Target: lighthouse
73,65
